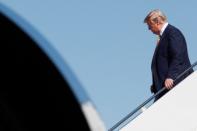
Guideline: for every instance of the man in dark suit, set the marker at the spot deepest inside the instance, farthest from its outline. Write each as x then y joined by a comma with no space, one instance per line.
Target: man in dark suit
170,58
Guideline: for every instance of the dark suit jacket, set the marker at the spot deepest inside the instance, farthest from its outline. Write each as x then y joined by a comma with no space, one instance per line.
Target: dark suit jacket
170,58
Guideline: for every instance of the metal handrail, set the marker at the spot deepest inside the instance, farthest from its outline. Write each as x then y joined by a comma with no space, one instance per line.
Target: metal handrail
149,99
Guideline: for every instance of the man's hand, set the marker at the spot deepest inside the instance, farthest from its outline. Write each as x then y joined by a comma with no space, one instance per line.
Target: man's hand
169,83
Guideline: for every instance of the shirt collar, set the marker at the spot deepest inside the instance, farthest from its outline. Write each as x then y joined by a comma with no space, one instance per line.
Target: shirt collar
163,28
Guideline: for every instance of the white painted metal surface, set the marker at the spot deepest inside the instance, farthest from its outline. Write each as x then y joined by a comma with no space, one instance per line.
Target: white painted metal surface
92,117
176,111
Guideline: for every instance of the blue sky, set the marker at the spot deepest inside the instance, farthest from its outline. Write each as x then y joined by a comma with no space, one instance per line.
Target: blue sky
107,45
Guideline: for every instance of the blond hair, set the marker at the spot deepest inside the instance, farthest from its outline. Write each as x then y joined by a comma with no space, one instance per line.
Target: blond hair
156,16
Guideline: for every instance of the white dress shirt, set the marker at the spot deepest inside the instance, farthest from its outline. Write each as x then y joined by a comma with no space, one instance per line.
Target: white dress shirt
163,28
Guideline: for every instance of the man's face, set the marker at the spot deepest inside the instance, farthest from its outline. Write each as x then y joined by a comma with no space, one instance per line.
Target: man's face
154,27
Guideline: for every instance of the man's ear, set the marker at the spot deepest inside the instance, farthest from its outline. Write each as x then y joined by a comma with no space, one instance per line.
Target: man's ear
157,21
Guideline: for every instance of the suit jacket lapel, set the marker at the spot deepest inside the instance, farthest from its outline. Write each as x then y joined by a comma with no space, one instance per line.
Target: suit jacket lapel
154,56
160,41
